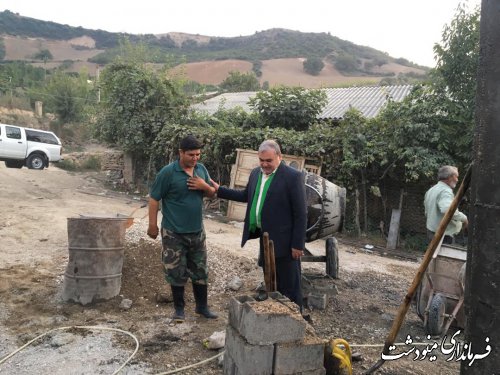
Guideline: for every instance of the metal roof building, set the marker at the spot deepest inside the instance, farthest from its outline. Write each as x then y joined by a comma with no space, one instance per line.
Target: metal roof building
368,100
228,100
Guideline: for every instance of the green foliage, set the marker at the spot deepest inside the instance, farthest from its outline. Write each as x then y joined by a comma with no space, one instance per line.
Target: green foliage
137,104
346,63
264,45
13,24
19,75
257,68
2,49
195,88
289,107
415,242
239,82
313,65
415,143
454,79
44,55
66,96
360,146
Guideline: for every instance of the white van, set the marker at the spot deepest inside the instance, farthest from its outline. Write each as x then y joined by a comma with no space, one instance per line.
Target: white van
32,148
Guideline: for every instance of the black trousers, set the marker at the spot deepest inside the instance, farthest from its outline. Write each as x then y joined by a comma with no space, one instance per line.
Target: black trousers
447,239
288,276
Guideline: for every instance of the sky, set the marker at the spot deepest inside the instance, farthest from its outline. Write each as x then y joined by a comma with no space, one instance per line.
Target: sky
402,28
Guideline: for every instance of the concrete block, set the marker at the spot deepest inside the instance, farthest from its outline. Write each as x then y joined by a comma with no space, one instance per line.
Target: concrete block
244,358
235,309
270,322
318,371
302,357
316,301
228,365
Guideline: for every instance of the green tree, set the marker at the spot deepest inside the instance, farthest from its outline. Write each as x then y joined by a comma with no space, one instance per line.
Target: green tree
137,104
361,147
289,107
44,55
313,65
346,63
2,49
454,80
239,82
66,96
411,131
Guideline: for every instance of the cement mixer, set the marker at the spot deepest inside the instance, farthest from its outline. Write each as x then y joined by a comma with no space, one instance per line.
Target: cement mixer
325,216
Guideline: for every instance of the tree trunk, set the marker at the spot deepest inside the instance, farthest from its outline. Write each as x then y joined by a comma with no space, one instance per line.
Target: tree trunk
365,203
356,213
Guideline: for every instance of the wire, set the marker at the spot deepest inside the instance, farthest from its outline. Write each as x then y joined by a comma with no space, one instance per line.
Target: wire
79,327
193,365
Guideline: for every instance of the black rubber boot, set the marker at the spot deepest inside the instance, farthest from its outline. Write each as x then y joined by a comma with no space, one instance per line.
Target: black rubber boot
178,295
200,295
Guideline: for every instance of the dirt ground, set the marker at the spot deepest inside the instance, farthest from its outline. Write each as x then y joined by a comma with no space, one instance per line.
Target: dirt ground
34,254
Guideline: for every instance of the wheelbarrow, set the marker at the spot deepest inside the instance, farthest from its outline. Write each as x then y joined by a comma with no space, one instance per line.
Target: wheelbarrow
440,296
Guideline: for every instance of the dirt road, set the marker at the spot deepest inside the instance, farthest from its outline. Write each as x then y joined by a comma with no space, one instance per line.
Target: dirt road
33,256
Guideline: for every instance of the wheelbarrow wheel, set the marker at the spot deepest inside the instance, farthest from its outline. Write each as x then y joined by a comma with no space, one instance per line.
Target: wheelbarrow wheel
332,258
436,319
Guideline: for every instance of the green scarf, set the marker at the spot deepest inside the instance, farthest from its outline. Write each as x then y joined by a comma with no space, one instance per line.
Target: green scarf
255,221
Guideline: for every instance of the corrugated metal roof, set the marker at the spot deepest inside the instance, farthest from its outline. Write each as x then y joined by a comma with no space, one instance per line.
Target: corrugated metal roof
229,100
369,100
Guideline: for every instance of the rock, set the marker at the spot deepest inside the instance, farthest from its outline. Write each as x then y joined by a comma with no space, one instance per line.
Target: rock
216,340
163,298
61,340
126,304
235,284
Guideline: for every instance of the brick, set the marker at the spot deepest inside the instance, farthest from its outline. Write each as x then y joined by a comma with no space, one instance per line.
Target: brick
270,322
302,357
244,358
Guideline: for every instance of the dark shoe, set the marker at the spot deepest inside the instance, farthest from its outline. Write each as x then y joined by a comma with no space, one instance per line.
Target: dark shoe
200,295
178,296
178,316
206,312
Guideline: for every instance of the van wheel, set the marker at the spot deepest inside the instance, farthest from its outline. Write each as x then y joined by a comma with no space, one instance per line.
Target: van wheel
36,161
14,164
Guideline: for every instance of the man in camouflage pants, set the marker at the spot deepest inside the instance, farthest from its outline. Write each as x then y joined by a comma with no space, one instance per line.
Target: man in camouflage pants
180,187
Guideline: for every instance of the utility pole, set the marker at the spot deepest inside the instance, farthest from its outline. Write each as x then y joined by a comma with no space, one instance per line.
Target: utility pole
10,89
97,75
482,285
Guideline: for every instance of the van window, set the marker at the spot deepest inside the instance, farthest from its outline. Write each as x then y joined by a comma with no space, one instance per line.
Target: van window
12,132
36,136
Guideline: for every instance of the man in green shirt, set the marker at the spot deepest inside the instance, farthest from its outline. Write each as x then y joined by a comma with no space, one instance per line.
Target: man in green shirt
437,201
180,187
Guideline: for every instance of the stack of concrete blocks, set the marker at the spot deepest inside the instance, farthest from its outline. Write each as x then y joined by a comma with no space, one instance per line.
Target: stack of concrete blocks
270,337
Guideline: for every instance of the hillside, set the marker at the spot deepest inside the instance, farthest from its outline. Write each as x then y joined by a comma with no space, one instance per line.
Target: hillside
275,55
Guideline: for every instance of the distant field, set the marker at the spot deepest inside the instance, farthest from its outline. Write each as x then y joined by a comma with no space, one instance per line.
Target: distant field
288,71
22,48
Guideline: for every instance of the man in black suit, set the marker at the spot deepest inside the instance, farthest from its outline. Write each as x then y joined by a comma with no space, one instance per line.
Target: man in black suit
276,199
